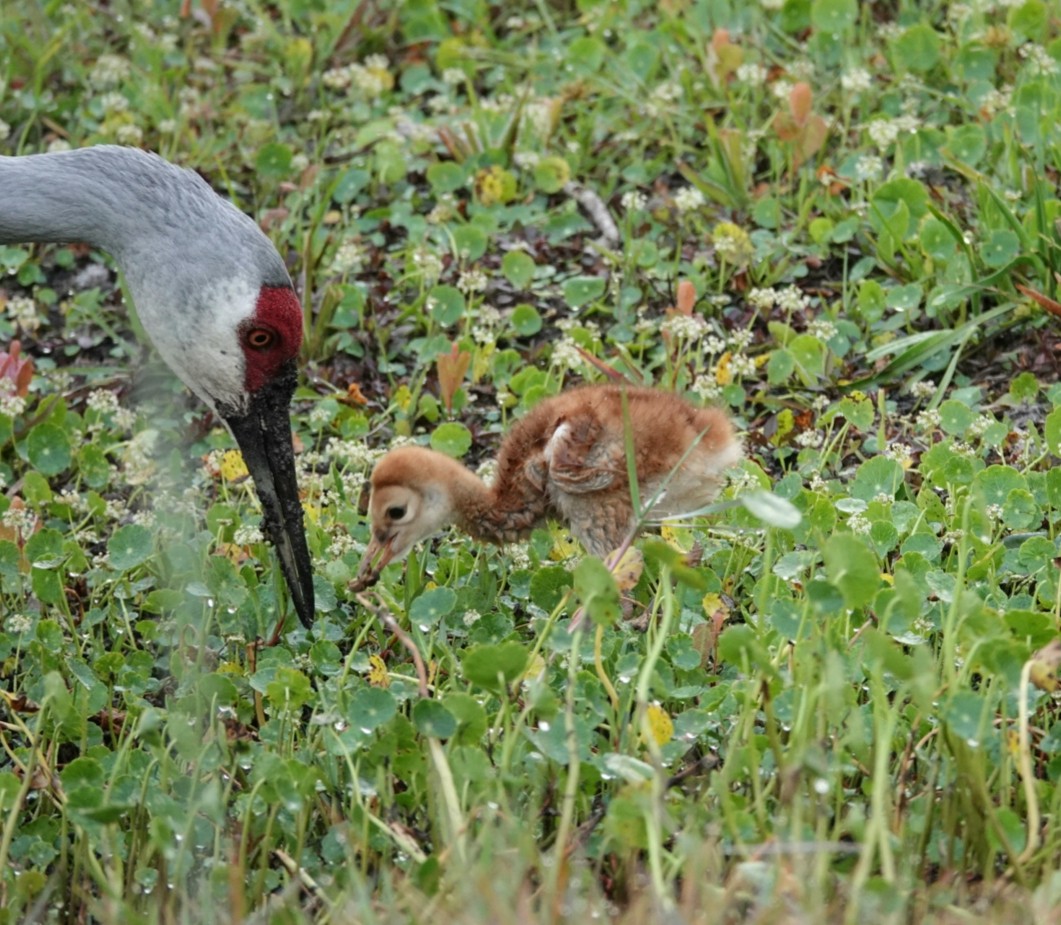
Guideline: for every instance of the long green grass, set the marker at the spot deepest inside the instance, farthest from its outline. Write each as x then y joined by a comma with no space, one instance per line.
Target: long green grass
814,214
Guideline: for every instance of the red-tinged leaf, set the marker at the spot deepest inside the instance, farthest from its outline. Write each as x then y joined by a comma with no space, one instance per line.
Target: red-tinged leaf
785,126
612,374
17,372
686,297
1054,308
451,369
720,39
811,138
800,101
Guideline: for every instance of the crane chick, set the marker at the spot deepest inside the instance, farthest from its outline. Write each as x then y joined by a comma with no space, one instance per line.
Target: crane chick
566,460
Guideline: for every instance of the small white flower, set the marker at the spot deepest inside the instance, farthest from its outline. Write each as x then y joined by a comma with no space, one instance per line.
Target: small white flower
5,130
868,167
247,535
762,299
472,281
822,329
108,71
102,402
856,80
688,199
686,327
633,201
453,76
129,135
565,354
471,617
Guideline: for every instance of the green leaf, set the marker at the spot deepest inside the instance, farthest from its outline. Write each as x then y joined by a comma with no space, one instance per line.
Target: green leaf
738,645
525,320
495,666
446,177
433,720
445,304
596,589
966,714
130,546
771,509
518,267
273,160
580,290
1053,431
451,438
82,772
471,241
996,482
880,475
548,585
471,717
370,708
955,417
289,690
586,54
48,448
432,606
551,174
852,568
917,48
833,16
1001,246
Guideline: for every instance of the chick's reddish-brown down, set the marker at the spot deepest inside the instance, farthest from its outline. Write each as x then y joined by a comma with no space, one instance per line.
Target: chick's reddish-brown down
566,460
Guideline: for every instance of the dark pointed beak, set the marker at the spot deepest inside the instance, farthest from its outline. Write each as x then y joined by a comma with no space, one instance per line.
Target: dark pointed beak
263,432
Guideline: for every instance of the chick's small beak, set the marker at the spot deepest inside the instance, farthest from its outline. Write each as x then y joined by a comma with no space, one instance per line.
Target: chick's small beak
263,432
378,555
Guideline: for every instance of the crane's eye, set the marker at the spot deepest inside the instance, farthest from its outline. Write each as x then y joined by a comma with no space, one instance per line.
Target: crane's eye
259,338
396,512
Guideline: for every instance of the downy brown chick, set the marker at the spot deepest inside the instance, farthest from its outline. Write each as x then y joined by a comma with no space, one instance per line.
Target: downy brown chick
566,460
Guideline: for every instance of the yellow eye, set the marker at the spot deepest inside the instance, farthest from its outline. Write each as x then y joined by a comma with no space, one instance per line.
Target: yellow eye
259,338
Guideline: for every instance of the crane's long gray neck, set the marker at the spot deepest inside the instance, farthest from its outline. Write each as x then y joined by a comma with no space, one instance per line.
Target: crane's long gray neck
105,196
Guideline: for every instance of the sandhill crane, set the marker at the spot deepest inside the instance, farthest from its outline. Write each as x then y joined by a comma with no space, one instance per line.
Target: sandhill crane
210,289
567,459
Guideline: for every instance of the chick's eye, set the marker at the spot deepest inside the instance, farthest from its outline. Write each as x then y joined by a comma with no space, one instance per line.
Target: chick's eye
396,512
259,338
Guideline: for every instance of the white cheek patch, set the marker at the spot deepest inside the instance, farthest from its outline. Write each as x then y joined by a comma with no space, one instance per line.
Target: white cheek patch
200,340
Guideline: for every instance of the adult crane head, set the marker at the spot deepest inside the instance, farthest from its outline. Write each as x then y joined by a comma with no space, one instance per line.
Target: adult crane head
210,290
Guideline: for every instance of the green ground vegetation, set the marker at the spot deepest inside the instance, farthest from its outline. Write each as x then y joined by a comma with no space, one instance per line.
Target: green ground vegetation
836,220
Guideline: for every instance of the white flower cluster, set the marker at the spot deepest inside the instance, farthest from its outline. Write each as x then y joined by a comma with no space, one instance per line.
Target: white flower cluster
633,201
23,311
686,327
109,71
688,199
12,406
822,328
752,73
856,80
348,257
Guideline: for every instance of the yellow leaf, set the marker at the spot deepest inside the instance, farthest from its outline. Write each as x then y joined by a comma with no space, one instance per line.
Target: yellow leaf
712,603
312,512
1045,664
659,723
629,568
232,467
377,672
564,545
534,670
723,370
402,397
